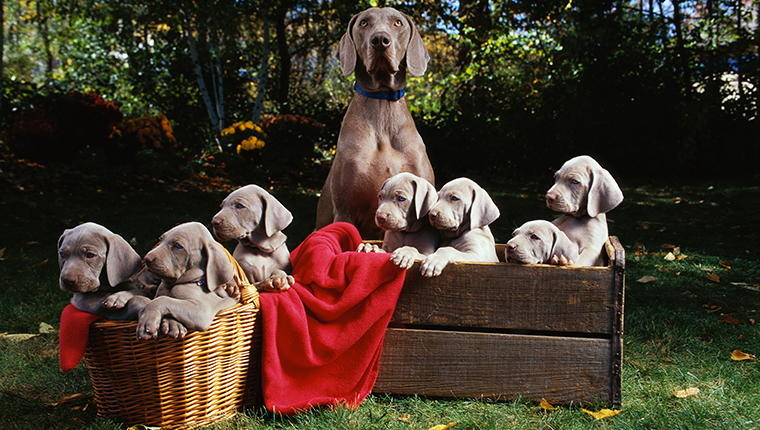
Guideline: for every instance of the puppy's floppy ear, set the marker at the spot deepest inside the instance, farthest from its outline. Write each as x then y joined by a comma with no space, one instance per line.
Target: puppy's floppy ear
275,216
604,194
121,260
425,197
417,56
562,246
483,211
219,269
346,52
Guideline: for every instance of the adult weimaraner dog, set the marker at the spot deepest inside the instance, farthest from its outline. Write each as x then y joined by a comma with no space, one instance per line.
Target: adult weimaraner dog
540,242
583,191
193,269
405,200
97,265
463,212
378,138
256,219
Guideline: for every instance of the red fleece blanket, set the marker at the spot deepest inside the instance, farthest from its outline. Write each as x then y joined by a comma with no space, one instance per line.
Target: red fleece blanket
323,337
75,329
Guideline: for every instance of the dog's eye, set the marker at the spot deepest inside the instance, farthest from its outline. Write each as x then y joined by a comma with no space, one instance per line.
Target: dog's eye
534,237
363,23
575,182
90,255
454,198
401,198
240,206
177,245
62,254
398,23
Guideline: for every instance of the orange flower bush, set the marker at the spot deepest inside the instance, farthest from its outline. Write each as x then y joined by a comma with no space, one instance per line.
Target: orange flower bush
146,132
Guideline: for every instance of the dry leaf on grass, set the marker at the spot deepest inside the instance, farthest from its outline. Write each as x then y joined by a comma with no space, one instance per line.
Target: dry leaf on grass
689,392
2,252
604,413
68,398
17,337
646,279
443,426
742,356
724,264
669,257
711,308
546,405
731,320
405,418
713,277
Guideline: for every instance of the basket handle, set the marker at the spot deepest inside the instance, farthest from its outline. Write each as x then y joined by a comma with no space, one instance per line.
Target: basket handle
248,292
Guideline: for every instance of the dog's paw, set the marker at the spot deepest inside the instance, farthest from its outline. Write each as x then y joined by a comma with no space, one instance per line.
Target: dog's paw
147,325
370,247
276,284
117,300
562,261
233,290
433,265
173,328
404,257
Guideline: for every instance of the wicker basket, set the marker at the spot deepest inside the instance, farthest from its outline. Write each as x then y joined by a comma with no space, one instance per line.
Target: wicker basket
178,382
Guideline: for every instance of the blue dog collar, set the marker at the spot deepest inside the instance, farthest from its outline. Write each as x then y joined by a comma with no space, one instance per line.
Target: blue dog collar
381,95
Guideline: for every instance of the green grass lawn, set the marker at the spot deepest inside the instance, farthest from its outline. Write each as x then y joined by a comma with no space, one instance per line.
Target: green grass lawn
680,330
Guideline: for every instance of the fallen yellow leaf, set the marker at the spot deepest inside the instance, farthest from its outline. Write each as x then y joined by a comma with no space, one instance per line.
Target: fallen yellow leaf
742,356
669,257
443,426
404,418
604,413
689,392
713,277
646,279
68,398
711,308
731,320
17,337
546,405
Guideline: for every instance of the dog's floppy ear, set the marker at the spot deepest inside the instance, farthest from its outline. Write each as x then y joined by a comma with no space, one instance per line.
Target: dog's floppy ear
275,216
219,269
604,194
425,197
417,56
483,211
562,246
121,260
347,50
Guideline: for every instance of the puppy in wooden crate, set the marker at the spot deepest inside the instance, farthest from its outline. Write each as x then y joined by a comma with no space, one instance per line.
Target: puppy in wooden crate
194,271
584,192
462,213
256,219
101,268
402,213
540,242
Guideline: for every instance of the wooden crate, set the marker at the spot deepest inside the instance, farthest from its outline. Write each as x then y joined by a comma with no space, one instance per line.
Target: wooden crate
499,331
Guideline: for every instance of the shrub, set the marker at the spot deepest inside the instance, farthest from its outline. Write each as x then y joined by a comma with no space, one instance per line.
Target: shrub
62,126
136,135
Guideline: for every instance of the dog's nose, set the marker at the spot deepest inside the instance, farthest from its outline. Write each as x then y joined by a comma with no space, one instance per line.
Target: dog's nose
381,40
550,197
511,246
149,259
433,214
216,222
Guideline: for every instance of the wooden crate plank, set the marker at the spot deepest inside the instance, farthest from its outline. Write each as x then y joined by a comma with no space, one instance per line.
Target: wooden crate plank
561,370
510,296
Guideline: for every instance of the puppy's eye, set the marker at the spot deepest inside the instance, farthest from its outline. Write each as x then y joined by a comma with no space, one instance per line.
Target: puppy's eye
177,245
454,198
363,23
379,196
401,198
90,255
398,23
534,237
575,182
240,206
62,254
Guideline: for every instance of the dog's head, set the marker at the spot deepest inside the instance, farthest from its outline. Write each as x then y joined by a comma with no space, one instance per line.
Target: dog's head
252,215
188,253
462,205
536,242
91,257
582,187
379,45
405,200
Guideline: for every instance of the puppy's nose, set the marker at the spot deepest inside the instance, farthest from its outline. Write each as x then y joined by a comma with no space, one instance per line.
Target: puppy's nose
551,197
381,41
433,214
511,246
149,259
216,222
69,281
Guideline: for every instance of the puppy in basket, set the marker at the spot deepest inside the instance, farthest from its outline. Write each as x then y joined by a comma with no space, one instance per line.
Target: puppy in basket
584,192
540,242
100,268
256,219
462,212
194,270
405,200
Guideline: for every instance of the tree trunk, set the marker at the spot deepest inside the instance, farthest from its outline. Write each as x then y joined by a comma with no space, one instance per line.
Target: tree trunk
282,49
263,71
2,50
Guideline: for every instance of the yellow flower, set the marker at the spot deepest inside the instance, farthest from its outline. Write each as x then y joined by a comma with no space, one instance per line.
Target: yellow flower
239,147
249,125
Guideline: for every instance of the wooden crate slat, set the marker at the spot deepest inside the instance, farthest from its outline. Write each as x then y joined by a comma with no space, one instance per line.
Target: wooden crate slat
510,296
561,370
